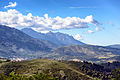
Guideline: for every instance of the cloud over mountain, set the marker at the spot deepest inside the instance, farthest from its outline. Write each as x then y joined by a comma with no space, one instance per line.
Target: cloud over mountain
78,37
14,18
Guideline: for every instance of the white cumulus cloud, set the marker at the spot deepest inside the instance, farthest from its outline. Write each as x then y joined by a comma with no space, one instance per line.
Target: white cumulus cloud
90,31
97,29
78,37
45,32
11,4
14,18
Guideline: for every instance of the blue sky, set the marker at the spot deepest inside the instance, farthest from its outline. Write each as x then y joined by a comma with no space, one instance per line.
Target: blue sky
105,12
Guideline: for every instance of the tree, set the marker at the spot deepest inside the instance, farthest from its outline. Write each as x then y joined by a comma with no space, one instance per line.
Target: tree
116,74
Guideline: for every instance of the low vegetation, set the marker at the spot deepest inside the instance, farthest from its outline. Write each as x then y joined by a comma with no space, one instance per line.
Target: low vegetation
50,67
41,76
44,69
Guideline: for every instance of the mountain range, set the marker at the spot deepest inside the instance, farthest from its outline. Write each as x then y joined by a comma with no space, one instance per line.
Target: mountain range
17,44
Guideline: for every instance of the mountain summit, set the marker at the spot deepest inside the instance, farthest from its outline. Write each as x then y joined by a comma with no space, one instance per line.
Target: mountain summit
57,38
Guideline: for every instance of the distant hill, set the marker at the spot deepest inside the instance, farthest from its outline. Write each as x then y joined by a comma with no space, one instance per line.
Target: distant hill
85,52
115,46
15,43
57,38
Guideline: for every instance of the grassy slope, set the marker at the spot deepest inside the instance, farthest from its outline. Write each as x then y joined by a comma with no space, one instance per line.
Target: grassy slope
55,68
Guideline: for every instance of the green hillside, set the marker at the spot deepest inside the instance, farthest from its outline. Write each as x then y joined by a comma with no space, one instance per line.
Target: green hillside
45,69
55,68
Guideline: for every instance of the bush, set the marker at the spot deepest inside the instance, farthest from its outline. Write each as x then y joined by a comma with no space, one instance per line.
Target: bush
41,76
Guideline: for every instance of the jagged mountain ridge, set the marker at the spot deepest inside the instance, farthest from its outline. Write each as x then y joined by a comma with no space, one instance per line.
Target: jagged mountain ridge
57,38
